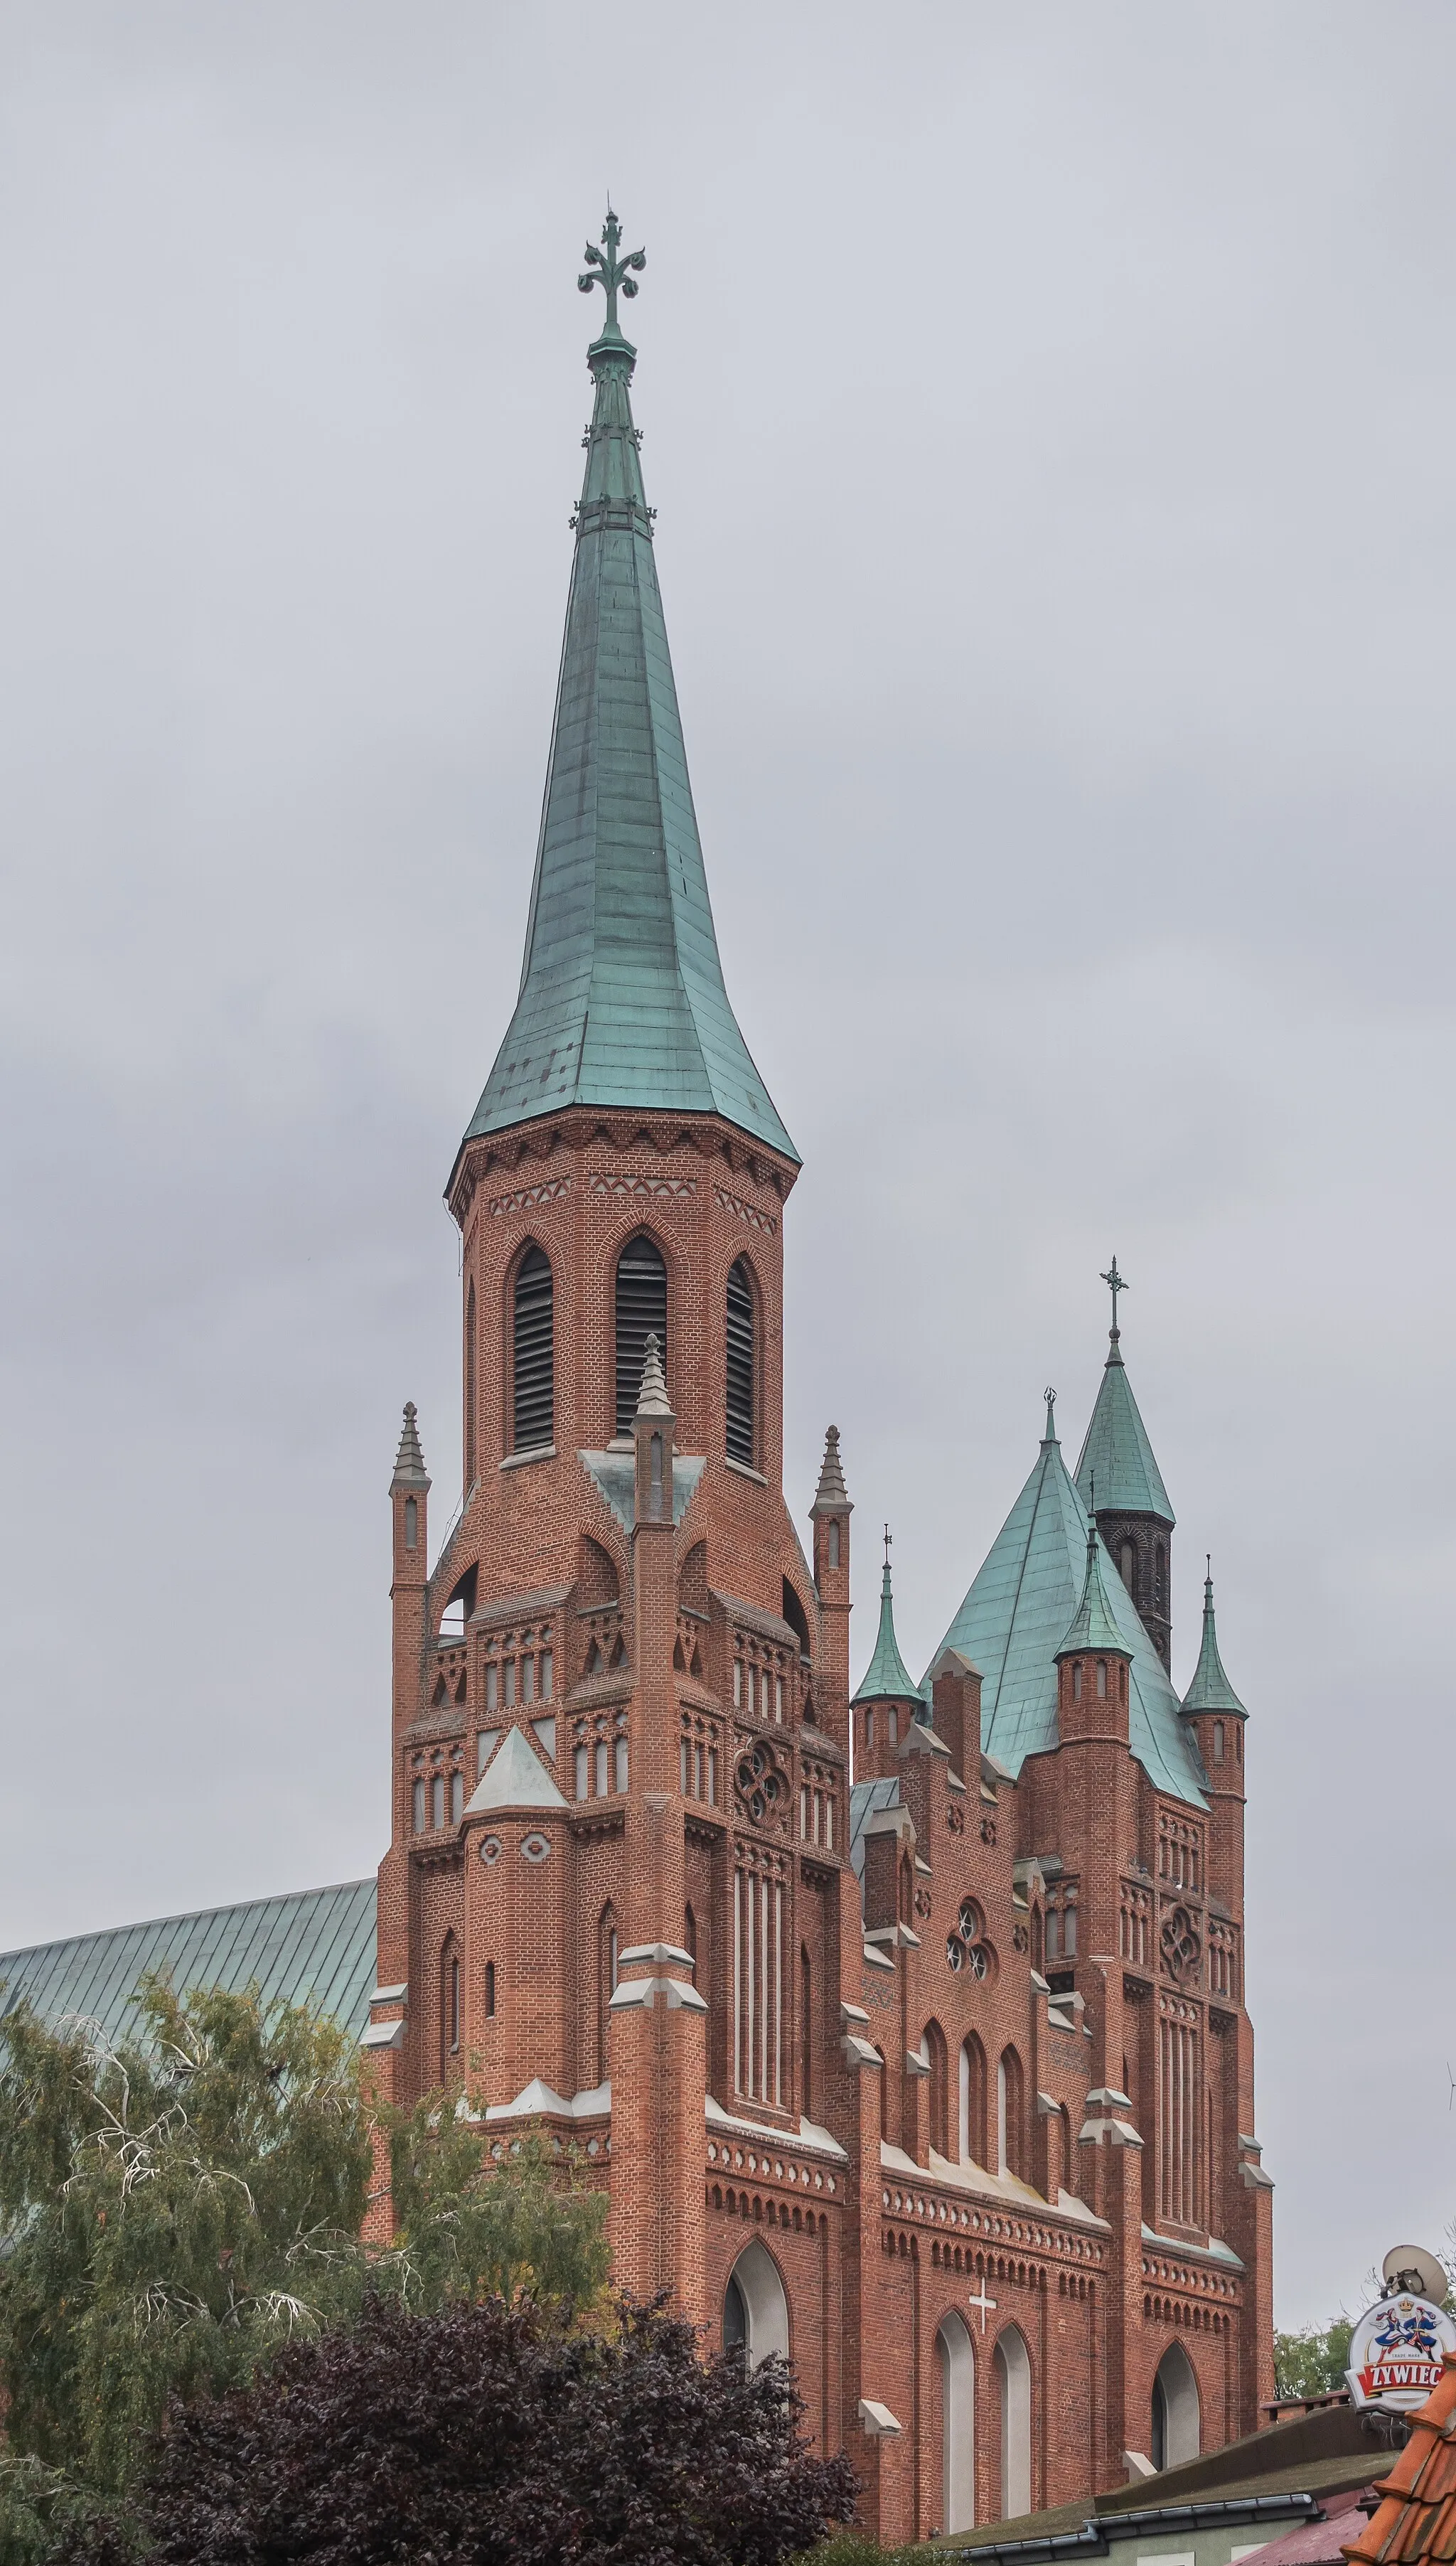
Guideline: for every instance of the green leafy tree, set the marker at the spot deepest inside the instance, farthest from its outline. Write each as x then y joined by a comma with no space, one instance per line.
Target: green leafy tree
469,2228
179,2208
174,2209
1314,2361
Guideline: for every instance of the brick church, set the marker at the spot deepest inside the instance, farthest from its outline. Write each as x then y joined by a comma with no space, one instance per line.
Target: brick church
904,2020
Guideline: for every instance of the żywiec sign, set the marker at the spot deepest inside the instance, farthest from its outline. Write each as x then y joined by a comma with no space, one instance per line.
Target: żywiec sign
1395,2352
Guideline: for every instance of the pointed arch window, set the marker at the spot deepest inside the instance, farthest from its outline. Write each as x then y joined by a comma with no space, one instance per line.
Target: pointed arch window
742,1384
533,1351
641,1312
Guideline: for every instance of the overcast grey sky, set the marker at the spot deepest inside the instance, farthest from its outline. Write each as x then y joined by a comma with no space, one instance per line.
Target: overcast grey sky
1051,415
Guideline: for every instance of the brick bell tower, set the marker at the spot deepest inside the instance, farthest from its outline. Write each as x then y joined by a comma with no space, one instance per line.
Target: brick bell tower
616,1689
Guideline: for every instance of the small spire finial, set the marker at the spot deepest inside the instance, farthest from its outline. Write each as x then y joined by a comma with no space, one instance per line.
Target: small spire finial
889,1538
653,1400
1050,1396
614,275
1114,1284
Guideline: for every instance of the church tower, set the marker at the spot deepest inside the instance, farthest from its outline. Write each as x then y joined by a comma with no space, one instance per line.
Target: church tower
1119,1481
620,1715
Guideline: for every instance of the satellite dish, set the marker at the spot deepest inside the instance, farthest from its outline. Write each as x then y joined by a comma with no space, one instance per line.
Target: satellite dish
1410,2268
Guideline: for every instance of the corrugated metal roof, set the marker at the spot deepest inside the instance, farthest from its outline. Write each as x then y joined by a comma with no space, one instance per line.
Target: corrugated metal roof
623,999
1011,1622
315,1946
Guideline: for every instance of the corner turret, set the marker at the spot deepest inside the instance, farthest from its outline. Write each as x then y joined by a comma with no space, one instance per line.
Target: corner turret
888,1697
1093,1661
1214,1709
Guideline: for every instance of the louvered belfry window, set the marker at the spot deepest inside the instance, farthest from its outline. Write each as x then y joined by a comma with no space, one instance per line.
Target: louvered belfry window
534,1352
641,1312
740,1366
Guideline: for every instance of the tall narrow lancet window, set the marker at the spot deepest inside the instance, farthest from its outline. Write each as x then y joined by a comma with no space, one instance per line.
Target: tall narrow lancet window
741,1384
641,1312
533,1353
470,1387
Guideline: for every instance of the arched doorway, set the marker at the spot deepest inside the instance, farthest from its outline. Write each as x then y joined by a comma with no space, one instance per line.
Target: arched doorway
755,2309
1174,2409
1014,2390
956,2356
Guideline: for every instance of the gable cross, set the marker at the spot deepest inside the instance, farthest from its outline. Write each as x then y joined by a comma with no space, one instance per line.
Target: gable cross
1113,1281
614,275
978,2299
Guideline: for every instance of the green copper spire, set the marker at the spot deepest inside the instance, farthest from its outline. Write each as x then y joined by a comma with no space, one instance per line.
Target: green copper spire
1092,1626
887,1678
1211,1688
1117,1452
621,999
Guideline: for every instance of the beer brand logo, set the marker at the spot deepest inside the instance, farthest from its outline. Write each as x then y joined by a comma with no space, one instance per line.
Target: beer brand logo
1396,2350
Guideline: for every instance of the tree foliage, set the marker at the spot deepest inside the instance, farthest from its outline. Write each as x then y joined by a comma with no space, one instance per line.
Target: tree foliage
493,2435
180,2206
1312,2361
174,2209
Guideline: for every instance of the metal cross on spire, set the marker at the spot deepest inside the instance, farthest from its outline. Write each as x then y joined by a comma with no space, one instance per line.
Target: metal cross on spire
614,275
1115,1284
889,1538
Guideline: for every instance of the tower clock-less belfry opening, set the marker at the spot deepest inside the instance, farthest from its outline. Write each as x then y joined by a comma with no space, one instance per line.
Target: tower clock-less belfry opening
905,2025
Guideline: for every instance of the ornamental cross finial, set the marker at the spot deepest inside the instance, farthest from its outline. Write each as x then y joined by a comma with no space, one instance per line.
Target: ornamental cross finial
889,1538
611,273
1115,1284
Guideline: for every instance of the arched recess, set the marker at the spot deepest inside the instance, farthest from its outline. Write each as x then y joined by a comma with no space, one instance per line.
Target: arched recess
1013,2391
956,2359
533,1353
450,2009
641,1312
972,2102
755,2307
741,1365
1176,2420
470,1387
1010,2115
933,2045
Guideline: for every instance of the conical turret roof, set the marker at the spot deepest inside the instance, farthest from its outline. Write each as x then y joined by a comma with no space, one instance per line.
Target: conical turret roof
1117,1457
623,1000
1091,1625
1014,1619
887,1678
1211,1688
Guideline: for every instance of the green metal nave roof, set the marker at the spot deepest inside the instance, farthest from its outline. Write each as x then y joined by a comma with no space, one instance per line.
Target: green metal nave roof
623,1000
1116,1456
1016,1615
315,1948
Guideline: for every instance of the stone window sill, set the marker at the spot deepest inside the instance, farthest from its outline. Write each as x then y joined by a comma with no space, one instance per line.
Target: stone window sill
741,1470
537,1453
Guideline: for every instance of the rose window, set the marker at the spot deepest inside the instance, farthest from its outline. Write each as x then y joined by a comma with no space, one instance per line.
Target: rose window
761,1785
966,1947
1182,1947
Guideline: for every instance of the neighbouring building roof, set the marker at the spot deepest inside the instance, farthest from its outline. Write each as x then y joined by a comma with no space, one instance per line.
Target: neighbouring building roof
887,1678
1116,1456
623,1000
1416,2517
1211,1688
315,1946
1012,1624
